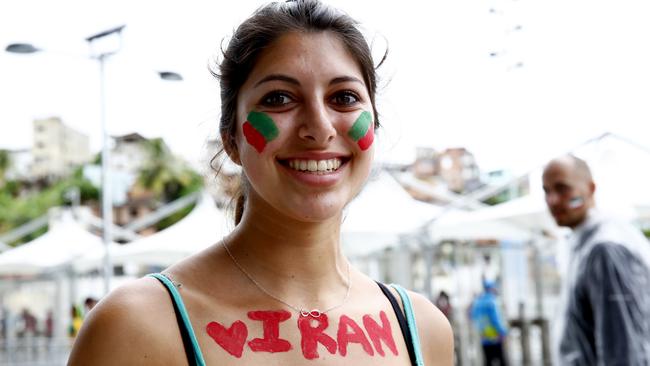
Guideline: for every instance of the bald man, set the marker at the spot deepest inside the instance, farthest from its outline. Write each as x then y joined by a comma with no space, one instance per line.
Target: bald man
605,312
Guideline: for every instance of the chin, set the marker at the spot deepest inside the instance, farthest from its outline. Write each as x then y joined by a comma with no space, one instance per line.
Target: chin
313,209
562,221
317,214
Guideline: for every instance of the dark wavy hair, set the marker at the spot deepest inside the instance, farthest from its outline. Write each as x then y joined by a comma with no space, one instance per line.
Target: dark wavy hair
260,30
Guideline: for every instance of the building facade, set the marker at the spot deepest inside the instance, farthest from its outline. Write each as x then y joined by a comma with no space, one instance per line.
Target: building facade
459,170
57,149
129,153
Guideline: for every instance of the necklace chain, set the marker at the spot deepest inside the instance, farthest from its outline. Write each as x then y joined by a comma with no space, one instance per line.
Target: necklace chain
303,312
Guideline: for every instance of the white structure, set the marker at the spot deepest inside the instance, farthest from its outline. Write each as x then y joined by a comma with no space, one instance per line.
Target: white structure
519,219
380,214
20,164
205,225
57,148
129,154
53,251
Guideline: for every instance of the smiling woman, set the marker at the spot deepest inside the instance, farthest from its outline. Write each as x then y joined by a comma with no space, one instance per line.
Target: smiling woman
298,115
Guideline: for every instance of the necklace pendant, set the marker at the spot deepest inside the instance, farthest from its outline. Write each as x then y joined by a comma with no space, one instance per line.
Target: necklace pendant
314,313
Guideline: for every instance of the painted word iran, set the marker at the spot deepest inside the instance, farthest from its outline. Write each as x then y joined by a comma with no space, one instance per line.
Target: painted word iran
312,332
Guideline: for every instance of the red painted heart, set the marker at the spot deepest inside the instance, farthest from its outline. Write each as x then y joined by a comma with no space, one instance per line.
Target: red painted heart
232,339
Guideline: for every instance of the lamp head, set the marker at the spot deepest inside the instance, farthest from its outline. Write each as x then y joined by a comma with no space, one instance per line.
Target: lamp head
24,48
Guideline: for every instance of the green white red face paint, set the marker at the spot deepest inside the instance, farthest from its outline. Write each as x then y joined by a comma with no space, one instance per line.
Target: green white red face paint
374,338
259,129
362,131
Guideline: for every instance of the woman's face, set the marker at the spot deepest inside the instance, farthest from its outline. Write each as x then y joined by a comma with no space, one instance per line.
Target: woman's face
305,128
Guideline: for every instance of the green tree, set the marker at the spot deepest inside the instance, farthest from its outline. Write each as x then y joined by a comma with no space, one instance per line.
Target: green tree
5,163
169,178
165,175
18,210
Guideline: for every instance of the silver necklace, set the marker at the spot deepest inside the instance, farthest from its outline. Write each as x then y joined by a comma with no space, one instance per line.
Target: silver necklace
303,312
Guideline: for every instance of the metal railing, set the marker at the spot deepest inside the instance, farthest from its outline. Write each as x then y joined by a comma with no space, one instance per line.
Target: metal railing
35,351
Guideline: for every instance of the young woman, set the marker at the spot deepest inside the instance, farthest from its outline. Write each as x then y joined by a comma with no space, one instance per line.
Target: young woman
298,115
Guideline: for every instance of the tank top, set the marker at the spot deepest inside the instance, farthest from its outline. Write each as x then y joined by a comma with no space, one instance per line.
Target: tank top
194,355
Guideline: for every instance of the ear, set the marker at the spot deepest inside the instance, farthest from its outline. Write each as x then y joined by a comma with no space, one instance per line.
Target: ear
230,147
592,188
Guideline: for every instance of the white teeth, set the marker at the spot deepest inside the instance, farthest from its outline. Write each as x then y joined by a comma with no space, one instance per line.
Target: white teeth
318,166
312,166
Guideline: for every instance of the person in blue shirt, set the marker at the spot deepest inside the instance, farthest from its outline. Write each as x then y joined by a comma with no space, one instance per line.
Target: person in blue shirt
487,319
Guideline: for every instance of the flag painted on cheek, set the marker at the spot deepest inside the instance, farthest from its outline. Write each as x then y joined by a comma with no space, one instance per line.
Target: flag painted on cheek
362,131
259,129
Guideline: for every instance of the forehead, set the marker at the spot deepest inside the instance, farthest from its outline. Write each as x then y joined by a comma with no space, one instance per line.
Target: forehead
307,54
560,172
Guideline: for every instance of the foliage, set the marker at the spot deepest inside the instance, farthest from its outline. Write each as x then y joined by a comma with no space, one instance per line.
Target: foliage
18,207
165,175
646,232
499,198
168,178
174,218
97,160
5,162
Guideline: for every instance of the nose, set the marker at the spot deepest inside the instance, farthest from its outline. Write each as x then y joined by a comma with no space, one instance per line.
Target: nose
551,199
317,125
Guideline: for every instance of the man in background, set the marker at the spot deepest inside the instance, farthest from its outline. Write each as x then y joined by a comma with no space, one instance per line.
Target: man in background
605,306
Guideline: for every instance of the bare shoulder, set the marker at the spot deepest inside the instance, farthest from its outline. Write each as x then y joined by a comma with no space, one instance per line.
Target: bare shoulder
134,324
435,332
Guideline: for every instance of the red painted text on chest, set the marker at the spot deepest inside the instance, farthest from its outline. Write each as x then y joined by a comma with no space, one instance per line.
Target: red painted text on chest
313,331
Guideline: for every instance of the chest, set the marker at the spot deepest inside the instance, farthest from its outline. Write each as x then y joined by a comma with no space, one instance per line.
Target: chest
279,337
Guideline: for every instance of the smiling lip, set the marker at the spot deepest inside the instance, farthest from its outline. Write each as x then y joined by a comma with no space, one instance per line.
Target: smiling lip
316,156
315,169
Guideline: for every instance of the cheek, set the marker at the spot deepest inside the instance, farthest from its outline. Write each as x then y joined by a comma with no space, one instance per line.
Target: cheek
259,130
362,131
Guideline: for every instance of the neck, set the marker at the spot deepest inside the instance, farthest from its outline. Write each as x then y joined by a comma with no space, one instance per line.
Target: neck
299,261
584,219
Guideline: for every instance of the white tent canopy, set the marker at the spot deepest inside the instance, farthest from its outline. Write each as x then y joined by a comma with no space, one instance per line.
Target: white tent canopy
382,212
203,226
518,220
65,241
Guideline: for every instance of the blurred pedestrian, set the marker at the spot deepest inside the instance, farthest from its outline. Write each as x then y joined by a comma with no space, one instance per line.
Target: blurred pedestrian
89,304
48,332
29,324
443,303
4,322
486,316
605,303
76,319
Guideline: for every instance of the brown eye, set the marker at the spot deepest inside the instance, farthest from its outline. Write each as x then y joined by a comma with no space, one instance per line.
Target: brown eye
276,99
345,98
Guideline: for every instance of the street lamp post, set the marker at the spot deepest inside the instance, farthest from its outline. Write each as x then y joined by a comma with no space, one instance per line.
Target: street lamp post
107,205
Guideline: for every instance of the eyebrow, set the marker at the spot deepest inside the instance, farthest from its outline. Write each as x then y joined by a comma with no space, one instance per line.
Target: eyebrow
289,79
279,77
344,79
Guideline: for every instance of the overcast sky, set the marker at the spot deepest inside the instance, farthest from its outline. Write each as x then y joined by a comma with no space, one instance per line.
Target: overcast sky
563,71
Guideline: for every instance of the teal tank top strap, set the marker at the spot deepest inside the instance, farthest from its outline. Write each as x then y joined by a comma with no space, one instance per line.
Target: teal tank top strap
187,332
410,320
